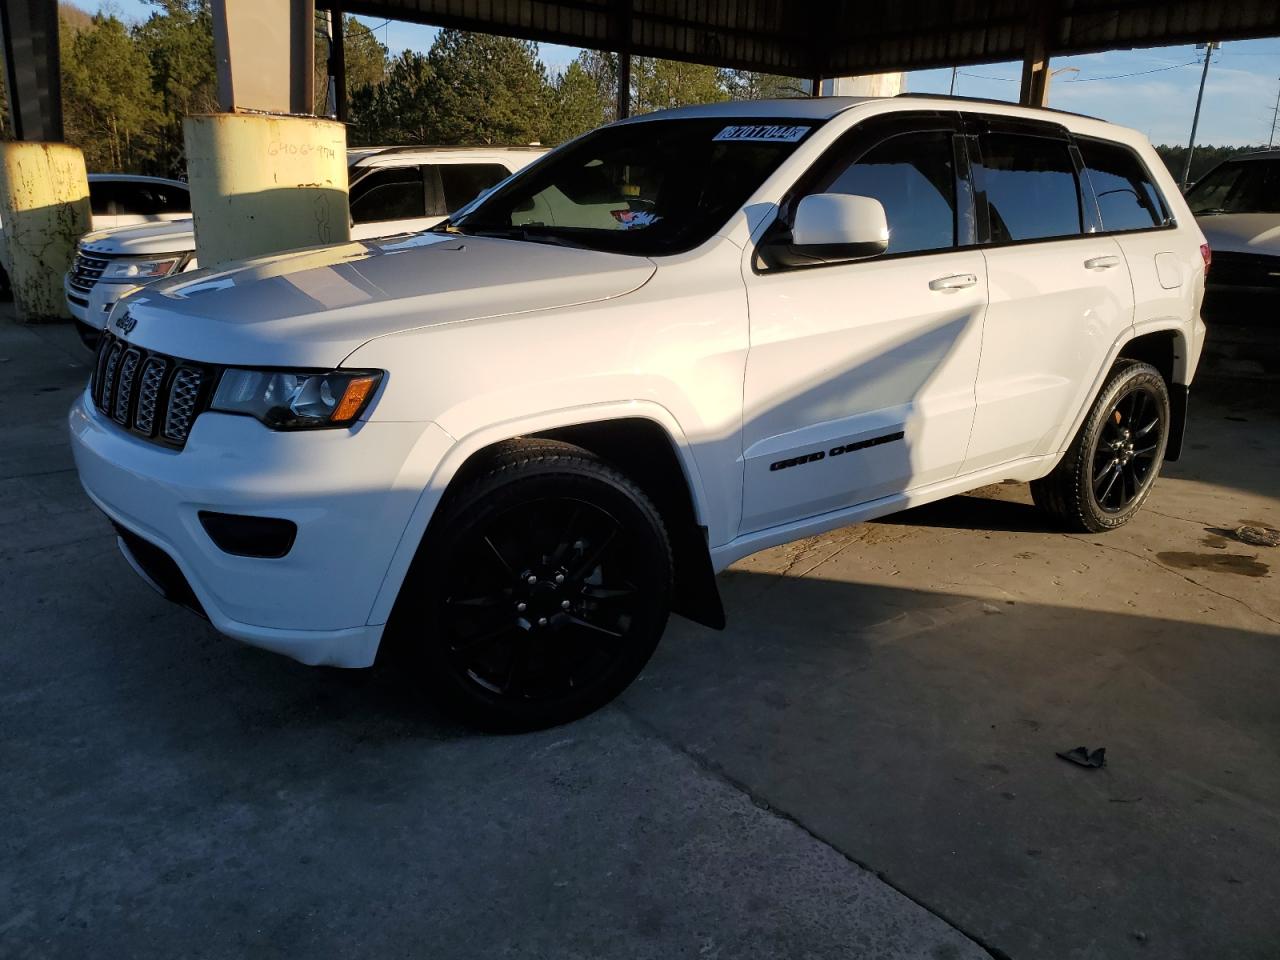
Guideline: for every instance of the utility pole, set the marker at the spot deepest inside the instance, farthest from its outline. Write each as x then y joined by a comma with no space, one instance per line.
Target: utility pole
1195,119
1275,117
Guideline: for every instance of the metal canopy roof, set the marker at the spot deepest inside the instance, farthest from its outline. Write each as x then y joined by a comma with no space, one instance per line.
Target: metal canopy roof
837,37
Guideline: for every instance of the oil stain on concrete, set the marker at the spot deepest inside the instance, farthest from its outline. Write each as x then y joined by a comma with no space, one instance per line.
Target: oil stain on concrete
1220,562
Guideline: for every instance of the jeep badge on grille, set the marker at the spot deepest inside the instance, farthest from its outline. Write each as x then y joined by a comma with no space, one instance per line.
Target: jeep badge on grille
126,322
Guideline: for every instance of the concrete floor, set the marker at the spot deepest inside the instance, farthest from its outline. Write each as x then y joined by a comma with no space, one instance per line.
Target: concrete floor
862,765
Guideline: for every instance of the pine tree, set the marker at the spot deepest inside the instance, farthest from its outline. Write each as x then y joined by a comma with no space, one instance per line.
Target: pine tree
485,89
111,111
576,104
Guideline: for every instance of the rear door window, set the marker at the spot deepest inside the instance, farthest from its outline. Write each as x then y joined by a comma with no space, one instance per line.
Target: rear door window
135,199
1127,198
392,193
139,198
170,198
463,182
1030,185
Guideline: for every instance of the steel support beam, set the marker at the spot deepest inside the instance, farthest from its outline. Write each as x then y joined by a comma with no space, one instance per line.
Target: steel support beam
33,69
338,64
248,42
622,32
1035,57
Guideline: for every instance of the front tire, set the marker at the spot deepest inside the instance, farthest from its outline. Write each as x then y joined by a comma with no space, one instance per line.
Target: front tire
541,591
1109,469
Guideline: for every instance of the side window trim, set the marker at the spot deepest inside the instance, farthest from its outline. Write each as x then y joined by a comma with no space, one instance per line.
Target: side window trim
969,221
432,190
1090,209
855,143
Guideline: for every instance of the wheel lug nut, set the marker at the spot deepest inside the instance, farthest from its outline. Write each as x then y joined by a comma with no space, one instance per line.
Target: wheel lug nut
542,621
521,607
565,604
531,579
559,578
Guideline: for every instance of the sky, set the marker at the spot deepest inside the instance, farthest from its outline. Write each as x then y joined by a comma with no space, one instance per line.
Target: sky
1152,90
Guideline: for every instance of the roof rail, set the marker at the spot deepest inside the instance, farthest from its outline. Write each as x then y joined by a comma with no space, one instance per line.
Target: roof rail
416,147
1000,103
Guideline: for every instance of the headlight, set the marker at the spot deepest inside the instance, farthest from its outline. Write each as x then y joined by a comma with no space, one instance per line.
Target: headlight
296,399
140,270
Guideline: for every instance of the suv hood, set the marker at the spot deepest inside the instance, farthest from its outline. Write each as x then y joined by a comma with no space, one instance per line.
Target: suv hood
161,237
312,308
1242,232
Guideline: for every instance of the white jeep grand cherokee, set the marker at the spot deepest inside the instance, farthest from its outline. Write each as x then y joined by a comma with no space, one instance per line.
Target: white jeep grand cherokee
516,443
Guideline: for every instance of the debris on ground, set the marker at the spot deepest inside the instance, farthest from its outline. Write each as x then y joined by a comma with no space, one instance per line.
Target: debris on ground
1258,536
1082,757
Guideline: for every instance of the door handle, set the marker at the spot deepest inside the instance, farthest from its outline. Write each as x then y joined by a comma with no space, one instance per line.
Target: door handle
1102,263
957,281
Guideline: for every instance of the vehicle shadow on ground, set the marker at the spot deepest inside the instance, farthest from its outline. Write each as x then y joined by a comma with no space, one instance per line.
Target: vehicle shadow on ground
913,730
975,511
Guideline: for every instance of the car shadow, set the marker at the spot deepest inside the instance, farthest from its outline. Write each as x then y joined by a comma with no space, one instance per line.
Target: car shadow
975,511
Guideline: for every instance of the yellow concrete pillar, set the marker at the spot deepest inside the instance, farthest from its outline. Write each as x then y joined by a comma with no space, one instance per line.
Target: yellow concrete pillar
44,210
263,184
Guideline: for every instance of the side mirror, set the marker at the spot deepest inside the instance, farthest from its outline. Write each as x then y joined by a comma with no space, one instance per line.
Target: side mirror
830,227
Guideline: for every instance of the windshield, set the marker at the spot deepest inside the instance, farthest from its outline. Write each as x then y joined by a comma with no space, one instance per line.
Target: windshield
648,188
1238,186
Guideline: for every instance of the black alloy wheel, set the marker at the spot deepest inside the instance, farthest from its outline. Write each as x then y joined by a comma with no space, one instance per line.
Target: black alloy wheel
543,590
1108,471
1127,447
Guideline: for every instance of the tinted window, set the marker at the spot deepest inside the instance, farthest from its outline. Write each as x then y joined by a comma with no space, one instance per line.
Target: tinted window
1238,186
463,182
171,199
124,197
150,199
1126,195
102,195
1030,183
392,194
913,177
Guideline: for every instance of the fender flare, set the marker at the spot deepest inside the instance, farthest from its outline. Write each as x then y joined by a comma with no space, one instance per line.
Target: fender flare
1178,388
457,451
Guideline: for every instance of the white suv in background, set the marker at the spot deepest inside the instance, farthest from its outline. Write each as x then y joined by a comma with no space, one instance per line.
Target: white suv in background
516,442
125,199
392,190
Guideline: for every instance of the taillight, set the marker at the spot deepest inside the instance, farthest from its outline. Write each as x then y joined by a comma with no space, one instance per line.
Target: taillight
1207,255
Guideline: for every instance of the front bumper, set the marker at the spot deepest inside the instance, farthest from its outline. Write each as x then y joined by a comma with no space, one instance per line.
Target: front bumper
94,307
350,492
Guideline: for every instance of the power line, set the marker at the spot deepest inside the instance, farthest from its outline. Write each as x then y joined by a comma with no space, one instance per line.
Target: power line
1140,73
1117,76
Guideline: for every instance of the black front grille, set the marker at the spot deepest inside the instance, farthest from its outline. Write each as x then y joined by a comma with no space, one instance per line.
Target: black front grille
86,270
150,394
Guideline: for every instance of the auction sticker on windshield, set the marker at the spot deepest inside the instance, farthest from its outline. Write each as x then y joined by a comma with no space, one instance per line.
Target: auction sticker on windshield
762,132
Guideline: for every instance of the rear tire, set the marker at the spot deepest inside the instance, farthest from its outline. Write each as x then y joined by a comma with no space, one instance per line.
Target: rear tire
541,590
1108,471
